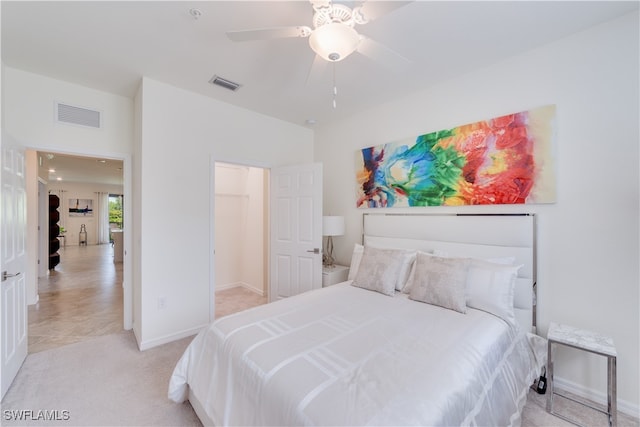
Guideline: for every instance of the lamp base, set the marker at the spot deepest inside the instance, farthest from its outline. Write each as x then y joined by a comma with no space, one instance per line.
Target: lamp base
327,258
328,263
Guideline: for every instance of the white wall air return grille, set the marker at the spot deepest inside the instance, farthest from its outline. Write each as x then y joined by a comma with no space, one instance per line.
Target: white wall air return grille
80,116
225,83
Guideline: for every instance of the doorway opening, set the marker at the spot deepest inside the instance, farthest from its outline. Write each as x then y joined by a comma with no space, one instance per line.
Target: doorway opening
241,218
82,296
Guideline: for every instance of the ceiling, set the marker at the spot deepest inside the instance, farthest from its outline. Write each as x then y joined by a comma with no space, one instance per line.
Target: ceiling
110,45
88,170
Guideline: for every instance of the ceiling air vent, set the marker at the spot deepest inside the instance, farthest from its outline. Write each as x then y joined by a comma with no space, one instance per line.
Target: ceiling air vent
227,84
70,114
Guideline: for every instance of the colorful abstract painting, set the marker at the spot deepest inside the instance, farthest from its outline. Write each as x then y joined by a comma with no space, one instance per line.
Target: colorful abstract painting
504,160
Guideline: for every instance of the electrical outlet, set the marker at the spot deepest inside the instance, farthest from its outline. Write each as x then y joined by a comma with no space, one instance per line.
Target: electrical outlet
162,303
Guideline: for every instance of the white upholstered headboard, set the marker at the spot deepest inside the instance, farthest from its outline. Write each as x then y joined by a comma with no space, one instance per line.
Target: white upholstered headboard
466,235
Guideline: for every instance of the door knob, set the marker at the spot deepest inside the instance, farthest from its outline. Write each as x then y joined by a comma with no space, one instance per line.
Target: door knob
6,275
315,251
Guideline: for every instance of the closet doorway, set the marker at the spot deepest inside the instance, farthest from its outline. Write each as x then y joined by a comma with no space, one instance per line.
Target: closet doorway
241,237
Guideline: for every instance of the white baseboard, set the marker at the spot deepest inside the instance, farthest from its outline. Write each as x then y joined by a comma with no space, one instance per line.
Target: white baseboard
596,396
228,286
239,285
146,345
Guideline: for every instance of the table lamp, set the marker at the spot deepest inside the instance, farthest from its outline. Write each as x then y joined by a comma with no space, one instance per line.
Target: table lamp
331,226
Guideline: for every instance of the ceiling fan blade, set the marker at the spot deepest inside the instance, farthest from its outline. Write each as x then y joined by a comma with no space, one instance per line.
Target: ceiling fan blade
269,33
372,10
382,54
317,69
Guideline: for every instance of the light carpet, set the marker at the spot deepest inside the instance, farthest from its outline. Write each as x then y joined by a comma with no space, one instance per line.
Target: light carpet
104,381
107,381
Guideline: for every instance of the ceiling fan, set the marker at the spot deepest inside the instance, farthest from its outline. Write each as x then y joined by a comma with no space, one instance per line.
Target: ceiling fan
333,36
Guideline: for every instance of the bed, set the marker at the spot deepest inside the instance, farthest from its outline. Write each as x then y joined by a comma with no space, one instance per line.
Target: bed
397,344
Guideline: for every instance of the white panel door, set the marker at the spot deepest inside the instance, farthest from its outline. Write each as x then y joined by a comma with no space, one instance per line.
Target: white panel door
13,296
296,230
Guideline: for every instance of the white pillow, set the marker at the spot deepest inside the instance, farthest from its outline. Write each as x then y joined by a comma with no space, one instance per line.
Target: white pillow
490,288
412,271
407,258
356,257
507,260
440,281
379,270
440,252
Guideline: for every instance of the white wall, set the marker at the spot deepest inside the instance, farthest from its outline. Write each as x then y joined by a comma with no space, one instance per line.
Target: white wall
135,232
180,133
29,115
254,249
588,241
231,212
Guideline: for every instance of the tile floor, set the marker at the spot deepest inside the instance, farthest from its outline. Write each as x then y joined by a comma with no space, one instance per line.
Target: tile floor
82,298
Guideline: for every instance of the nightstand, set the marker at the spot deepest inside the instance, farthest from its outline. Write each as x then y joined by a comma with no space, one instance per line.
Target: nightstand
586,341
334,274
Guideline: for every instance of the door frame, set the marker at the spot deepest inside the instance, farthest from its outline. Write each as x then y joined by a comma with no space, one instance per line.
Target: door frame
212,226
43,223
127,184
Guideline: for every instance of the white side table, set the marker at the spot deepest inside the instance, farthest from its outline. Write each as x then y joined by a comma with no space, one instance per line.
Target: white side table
586,341
334,274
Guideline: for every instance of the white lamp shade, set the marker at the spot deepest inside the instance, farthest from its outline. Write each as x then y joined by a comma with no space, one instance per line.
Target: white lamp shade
332,225
334,41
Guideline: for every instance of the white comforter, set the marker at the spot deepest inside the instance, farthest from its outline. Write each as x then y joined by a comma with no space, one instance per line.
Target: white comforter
347,356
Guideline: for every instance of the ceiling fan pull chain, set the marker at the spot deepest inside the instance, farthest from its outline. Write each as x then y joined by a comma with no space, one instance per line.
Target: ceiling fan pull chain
335,88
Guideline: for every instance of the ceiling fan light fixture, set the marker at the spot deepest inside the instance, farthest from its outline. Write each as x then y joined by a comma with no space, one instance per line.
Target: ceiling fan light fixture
334,41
